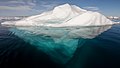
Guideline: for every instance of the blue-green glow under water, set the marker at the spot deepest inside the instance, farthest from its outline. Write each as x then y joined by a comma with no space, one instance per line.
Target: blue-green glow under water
27,47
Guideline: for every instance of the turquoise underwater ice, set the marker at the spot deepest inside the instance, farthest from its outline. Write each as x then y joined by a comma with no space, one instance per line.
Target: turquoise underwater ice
59,43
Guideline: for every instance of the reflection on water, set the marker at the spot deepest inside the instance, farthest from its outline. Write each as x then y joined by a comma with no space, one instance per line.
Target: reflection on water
59,43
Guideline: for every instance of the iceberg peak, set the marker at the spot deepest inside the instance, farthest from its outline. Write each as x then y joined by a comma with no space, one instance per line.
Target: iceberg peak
64,5
67,7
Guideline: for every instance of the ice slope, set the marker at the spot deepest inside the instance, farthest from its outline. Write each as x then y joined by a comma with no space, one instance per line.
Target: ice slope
65,15
88,19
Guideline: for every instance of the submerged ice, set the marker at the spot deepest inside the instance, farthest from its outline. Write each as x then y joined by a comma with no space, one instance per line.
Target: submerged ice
59,43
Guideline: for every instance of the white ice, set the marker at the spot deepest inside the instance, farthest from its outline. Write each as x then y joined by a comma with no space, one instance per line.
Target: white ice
65,15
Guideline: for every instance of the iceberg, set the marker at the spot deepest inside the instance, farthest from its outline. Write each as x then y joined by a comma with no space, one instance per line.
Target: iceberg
64,15
61,31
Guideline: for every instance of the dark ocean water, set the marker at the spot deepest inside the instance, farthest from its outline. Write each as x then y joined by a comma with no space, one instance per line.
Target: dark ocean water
21,49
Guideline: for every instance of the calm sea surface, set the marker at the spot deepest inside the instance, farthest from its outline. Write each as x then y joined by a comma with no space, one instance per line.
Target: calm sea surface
30,47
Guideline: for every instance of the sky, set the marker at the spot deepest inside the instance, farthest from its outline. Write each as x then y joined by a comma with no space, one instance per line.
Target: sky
34,7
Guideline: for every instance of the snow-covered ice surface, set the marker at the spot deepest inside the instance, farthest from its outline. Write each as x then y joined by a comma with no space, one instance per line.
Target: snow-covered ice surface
65,15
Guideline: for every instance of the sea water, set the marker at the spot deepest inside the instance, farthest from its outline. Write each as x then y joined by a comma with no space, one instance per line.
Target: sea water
30,47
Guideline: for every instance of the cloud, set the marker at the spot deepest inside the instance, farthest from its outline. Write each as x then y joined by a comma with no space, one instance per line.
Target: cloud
17,5
92,8
22,7
43,5
15,8
13,3
26,7
27,4
30,3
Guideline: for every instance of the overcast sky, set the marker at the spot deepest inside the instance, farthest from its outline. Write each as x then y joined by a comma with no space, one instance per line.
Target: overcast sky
33,7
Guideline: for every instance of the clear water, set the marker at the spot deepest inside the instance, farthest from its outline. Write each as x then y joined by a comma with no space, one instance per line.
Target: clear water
30,47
